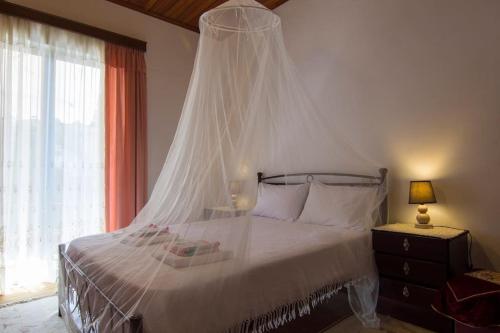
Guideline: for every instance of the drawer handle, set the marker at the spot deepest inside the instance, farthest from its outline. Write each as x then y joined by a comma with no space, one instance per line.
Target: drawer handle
406,268
406,244
406,292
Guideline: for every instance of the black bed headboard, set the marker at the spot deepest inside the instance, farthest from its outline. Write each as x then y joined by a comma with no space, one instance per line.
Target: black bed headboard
341,179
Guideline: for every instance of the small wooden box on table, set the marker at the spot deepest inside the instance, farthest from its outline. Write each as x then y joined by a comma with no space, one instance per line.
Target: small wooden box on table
413,265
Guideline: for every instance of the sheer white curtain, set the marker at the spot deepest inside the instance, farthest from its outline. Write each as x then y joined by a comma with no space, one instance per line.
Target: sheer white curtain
51,146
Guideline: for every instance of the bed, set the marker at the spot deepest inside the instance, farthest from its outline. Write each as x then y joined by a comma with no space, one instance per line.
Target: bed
268,270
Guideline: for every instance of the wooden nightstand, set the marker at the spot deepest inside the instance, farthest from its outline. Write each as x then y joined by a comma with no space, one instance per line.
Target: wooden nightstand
413,265
222,212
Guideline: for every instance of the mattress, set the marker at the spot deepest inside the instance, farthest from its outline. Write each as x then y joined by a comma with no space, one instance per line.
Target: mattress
276,263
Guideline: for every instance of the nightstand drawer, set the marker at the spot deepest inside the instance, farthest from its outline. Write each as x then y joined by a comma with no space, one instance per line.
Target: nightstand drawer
416,271
427,248
407,292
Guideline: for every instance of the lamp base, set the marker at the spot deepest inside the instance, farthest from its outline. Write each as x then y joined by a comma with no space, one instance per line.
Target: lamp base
424,226
423,218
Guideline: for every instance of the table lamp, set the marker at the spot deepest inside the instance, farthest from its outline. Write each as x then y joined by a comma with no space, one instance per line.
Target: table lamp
421,193
234,189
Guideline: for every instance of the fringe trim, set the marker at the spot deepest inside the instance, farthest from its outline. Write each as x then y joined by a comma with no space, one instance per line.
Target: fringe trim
289,312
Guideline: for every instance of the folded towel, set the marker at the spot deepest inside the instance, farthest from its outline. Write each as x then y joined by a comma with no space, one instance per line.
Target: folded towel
186,248
179,262
151,230
164,238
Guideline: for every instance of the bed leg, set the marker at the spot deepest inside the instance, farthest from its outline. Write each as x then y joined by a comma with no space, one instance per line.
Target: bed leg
136,324
62,278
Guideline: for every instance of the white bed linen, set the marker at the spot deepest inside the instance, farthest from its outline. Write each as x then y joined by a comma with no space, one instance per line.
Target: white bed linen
275,248
339,205
280,202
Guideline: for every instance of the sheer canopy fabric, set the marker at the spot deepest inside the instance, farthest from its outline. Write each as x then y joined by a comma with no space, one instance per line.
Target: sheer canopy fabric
245,112
51,146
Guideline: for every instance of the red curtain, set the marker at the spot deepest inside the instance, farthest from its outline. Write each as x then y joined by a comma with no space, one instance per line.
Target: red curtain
125,135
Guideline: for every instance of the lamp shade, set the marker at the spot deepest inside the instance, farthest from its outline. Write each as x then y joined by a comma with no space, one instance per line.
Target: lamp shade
421,192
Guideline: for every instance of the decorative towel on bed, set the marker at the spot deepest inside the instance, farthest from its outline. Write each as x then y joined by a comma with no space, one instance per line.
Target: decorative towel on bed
181,262
185,248
184,253
471,299
150,230
149,235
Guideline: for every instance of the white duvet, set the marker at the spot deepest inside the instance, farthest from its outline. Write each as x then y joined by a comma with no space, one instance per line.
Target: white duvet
283,263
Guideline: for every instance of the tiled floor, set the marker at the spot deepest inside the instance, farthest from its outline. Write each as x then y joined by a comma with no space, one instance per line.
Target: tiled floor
389,325
35,292
37,316
41,317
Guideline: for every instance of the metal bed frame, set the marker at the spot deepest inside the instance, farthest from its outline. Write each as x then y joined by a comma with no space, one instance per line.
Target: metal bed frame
82,318
81,290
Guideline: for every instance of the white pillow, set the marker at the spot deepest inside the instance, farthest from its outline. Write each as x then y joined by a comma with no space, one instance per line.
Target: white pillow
339,205
283,202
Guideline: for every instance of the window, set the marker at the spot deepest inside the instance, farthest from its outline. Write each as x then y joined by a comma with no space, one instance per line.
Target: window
51,146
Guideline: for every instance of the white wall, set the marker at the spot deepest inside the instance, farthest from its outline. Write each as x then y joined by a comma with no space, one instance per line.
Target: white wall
416,86
169,59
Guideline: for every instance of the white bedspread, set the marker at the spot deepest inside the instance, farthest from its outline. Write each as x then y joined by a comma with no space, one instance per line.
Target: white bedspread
285,263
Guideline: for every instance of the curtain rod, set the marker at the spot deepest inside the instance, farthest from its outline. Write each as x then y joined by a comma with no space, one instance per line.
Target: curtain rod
63,23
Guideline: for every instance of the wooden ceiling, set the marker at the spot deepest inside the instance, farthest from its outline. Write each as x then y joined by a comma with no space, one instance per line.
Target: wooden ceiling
184,13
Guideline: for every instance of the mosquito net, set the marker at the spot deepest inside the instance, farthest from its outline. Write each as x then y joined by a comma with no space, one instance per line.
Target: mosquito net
199,257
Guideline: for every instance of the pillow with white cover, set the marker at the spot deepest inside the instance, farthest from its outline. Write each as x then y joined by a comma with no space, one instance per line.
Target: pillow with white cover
339,205
283,202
